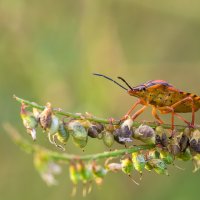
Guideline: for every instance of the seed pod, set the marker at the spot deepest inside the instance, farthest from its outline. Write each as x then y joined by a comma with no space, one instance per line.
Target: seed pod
145,133
108,138
94,130
127,165
159,166
174,147
99,171
29,121
184,142
46,117
196,162
195,141
125,132
78,133
139,162
161,136
85,172
152,154
186,155
167,157
62,134
54,126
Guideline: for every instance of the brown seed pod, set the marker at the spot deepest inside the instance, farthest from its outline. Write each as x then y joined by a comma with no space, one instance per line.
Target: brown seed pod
174,147
195,141
46,117
161,136
94,130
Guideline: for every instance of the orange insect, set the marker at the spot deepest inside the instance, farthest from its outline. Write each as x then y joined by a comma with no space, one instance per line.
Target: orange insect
161,96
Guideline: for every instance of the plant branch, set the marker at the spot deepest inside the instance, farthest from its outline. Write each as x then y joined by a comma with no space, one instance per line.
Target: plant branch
93,118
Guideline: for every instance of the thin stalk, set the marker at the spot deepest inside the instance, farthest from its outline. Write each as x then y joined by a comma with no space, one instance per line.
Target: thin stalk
92,118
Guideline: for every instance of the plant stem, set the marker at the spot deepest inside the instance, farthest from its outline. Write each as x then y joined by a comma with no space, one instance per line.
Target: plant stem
93,118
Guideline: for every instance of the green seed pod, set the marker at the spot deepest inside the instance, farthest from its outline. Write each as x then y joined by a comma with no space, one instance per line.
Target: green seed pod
85,172
127,165
139,162
159,166
148,167
99,171
108,138
74,174
185,156
54,126
29,121
62,134
145,133
196,162
167,157
78,133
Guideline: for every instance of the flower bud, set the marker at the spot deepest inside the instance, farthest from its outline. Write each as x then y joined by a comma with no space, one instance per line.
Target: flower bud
78,133
145,133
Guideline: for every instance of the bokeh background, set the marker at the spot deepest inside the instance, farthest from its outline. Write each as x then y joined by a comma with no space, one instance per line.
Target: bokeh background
48,51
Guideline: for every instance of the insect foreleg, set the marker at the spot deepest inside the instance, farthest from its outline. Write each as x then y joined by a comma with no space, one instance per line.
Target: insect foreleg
131,109
136,114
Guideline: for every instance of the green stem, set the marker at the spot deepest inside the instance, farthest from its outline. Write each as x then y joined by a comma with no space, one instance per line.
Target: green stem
93,118
55,156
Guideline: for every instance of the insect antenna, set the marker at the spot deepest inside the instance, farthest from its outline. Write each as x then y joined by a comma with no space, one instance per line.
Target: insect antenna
125,82
111,80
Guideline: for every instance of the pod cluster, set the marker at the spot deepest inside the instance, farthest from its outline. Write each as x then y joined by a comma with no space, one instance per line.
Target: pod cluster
187,140
80,172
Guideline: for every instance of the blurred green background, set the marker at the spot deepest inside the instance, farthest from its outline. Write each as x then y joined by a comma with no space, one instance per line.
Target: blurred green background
48,51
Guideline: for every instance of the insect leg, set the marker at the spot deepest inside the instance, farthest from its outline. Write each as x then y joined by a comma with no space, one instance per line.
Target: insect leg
136,114
192,105
130,110
154,113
